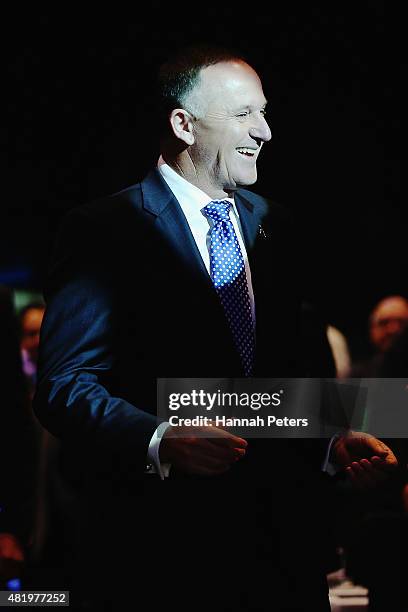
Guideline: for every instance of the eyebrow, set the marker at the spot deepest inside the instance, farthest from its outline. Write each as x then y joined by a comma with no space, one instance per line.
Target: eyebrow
248,107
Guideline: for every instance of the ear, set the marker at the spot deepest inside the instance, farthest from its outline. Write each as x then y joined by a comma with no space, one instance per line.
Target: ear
182,125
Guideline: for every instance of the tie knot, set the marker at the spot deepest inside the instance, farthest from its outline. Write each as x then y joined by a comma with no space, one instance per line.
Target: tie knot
218,211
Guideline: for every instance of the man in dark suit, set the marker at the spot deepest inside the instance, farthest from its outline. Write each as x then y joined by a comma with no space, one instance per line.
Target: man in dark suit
140,288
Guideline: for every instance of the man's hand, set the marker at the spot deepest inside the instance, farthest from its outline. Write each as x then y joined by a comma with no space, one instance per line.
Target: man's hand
367,460
207,451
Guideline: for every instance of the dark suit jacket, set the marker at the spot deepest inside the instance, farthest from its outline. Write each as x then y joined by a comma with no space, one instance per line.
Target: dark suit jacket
129,300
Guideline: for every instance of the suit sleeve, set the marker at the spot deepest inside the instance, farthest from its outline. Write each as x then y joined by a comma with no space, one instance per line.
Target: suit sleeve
78,352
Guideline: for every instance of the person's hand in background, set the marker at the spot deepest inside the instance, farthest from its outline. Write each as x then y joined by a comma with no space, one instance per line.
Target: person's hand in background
366,460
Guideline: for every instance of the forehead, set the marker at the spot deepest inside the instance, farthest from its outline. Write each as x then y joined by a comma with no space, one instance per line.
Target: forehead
393,307
231,83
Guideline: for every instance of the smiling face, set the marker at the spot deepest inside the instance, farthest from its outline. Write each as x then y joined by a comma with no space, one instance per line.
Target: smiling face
230,129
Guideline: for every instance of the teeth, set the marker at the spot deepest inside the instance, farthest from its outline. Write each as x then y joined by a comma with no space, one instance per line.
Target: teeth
246,150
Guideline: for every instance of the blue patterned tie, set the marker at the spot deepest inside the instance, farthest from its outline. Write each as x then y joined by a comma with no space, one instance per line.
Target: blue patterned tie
227,269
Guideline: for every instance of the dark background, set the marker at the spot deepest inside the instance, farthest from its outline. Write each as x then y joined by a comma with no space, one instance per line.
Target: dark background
81,125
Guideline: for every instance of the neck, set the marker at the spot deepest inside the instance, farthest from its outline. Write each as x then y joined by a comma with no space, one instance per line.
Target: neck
185,167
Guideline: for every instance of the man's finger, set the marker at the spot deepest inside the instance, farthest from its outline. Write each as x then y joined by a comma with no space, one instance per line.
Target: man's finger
217,435
354,478
362,476
228,439
374,474
382,464
226,453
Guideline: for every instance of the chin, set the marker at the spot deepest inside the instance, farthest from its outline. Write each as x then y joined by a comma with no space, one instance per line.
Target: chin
245,181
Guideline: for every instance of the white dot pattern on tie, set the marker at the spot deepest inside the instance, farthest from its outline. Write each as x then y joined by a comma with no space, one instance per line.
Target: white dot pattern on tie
227,269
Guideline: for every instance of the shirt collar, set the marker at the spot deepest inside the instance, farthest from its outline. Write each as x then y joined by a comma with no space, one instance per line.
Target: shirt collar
186,193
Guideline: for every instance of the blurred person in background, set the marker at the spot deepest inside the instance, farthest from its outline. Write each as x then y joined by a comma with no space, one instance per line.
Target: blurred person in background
378,538
387,321
30,319
18,449
54,532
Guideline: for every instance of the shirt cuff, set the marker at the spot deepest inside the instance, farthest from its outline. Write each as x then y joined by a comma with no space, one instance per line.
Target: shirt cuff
154,465
328,466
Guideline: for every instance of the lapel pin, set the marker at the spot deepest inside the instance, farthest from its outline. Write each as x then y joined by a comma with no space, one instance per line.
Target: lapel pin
262,232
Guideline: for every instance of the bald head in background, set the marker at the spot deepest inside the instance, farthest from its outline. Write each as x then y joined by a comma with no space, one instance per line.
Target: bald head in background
388,319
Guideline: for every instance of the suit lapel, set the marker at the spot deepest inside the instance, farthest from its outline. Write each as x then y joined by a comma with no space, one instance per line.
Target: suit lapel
170,222
159,200
250,217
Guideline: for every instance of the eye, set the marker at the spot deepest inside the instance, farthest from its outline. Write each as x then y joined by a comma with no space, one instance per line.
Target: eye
243,114
263,112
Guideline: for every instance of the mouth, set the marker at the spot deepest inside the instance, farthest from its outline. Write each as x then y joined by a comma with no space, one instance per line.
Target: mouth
248,152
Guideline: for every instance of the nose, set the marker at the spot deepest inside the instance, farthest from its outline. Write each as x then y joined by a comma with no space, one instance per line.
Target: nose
260,129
